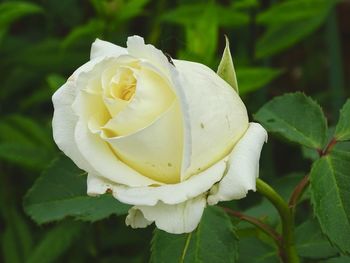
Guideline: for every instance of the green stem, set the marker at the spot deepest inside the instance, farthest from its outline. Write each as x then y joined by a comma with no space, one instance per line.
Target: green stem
288,253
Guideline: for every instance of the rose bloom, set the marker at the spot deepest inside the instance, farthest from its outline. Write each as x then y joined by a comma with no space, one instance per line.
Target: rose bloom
168,137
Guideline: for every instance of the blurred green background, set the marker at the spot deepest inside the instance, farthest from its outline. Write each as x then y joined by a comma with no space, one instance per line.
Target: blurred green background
277,46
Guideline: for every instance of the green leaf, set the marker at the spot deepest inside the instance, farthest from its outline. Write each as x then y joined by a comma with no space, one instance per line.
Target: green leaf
309,153
293,10
245,4
254,250
342,146
25,142
188,14
251,79
17,240
330,196
131,9
311,243
90,30
56,242
18,128
341,259
213,241
61,191
295,117
231,17
201,22
202,35
226,70
11,11
290,22
33,157
264,211
280,37
342,131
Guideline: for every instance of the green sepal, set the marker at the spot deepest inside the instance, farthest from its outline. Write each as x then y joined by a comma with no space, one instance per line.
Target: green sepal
226,70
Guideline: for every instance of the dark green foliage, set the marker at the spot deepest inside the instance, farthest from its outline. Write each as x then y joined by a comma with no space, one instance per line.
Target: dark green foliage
311,243
330,184
61,191
17,240
289,22
11,11
214,240
56,242
342,132
252,249
297,118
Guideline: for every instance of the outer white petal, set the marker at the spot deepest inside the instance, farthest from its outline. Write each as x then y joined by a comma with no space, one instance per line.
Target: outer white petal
138,48
64,119
135,219
168,194
243,167
176,219
214,133
63,124
102,48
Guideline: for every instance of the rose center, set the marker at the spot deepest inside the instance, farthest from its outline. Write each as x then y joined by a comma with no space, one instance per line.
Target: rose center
123,84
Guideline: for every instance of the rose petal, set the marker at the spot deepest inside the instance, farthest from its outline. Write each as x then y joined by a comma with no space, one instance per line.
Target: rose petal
135,219
63,124
153,96
156,59
214,133
104,161
65,119
168,194
176,219
136,47
156,150
243,167
102,48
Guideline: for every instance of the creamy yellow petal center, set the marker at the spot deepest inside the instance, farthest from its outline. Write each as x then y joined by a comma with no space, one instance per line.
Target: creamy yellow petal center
138,116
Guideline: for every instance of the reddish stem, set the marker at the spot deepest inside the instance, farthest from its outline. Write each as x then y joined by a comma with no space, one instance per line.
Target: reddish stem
328,148
298,192
300,188
264,227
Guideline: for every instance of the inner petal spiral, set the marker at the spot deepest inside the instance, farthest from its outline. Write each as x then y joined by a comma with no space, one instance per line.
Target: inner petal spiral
123,84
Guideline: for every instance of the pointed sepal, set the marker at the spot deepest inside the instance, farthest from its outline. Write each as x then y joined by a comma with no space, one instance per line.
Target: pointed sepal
226,70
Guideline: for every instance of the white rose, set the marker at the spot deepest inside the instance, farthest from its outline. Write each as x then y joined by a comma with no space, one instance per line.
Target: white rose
166,138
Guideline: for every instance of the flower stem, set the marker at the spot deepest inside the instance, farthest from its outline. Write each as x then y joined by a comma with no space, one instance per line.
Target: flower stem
288,251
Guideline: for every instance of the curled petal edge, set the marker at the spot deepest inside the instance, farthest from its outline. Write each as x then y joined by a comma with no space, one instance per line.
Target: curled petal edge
151,195
101,48
243,167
